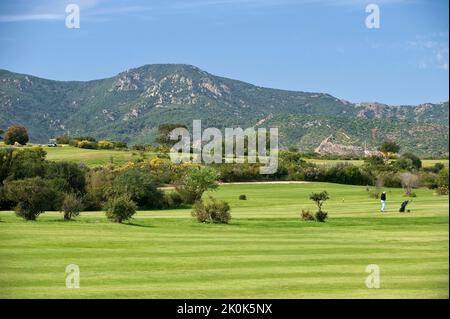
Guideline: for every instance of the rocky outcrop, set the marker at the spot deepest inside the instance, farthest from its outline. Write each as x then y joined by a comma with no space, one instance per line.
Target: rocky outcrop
328,147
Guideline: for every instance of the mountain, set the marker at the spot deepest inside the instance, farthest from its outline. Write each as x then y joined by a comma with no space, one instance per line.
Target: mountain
131,105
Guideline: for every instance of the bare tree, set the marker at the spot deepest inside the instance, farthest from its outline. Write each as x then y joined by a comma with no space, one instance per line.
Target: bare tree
409,181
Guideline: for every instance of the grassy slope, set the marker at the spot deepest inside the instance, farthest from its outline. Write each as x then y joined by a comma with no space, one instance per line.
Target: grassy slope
265,252
101,157
91,158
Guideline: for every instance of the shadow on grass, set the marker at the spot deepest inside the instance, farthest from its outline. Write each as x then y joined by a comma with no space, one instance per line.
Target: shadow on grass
138,225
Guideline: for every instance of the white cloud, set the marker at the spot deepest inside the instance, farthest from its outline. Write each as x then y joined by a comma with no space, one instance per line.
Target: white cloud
433,50
30,17
51,10
54,10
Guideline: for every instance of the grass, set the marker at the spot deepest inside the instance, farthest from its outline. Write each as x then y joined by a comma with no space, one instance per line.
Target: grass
94,158
91,158
266,251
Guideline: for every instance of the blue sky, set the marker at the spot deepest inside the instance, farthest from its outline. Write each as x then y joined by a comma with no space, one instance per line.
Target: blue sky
307,45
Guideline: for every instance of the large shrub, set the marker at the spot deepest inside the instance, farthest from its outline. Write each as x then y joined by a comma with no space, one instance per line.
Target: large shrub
6,161
119,209
213,211
347,174
321,216
442,181
140,186
87,144
172,200
99,183
390,179
63,139
120,145
195,182
16,134
230,172
33,196
105,145
73,174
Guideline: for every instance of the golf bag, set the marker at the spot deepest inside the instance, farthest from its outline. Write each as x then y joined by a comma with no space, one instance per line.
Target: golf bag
403,206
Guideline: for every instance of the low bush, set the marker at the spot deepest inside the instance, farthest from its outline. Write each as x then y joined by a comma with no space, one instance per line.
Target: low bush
242,197
442,190
119,209
105,145
307,215
373,193
173,200
214,211
120,145
321,216
442,181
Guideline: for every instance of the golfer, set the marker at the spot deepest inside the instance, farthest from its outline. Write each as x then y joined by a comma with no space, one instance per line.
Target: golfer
383,201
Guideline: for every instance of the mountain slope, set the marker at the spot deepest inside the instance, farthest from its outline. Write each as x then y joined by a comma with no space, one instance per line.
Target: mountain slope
132,104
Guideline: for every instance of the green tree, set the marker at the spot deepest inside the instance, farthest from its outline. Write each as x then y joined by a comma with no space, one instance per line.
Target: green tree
374,161
16,133
28,163
195,182
389,147
33,196
405,159
163,134
319,199
63,139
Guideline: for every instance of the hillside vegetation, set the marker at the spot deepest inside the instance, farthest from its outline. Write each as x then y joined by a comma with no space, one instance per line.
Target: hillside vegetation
130,106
